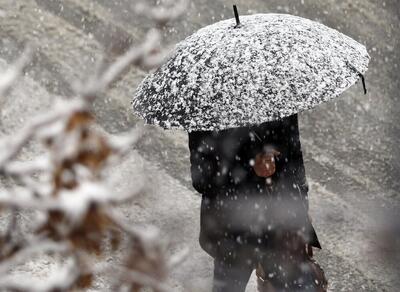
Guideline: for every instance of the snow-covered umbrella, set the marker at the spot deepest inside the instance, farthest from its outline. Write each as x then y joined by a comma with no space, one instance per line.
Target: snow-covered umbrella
241,73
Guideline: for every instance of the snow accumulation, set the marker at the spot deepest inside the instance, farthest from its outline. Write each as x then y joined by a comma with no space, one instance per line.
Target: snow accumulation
272,66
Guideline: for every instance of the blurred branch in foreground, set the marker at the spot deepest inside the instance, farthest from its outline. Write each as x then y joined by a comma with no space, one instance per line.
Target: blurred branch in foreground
8,78
66,188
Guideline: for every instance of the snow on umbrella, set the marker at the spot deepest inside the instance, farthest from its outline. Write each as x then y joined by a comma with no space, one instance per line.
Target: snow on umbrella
231,74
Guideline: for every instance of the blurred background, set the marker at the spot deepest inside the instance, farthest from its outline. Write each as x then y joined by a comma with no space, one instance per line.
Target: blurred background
351,146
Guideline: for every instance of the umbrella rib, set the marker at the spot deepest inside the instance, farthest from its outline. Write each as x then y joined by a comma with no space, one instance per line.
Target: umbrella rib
360,75
255,134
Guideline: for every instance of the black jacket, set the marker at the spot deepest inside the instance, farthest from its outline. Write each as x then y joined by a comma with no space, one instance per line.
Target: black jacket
237,205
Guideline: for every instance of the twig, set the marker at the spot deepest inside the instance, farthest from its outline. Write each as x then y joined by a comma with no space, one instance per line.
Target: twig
162,14
178,258
33,247
133,57
16,143
18,168
63,281
148,235
8,78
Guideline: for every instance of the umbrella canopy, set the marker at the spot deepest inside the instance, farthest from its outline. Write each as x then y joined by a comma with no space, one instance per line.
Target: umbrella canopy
266,68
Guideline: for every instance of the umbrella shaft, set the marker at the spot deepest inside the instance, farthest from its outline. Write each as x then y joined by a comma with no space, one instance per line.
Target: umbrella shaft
235,11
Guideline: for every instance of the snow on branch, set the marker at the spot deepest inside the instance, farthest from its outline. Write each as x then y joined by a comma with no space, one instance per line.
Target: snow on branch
164,13
66,187
135,56
11,146
8,78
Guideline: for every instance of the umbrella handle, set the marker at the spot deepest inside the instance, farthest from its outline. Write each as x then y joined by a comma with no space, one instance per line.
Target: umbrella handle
235,11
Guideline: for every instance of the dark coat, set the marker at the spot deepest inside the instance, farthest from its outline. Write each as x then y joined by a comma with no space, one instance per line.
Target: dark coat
238,207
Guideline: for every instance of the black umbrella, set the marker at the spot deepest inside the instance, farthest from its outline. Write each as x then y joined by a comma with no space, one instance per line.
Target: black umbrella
237,73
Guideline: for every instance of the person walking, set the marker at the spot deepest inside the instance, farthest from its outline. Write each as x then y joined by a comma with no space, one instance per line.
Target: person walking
236,86
254,211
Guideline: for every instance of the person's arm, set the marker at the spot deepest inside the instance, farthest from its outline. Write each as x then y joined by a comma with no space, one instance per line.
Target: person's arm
202,162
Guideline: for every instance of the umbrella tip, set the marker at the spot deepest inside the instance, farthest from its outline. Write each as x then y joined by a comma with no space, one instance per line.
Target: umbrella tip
360,76
235,11
363,83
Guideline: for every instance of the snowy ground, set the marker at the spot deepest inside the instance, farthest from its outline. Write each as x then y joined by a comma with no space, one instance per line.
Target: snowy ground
351,146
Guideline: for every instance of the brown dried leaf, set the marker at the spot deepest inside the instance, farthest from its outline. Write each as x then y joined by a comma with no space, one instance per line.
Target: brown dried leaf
79,119
85,281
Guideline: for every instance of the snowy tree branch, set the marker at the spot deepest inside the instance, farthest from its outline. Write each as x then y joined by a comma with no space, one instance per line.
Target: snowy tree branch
8,78
66,186
162,14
